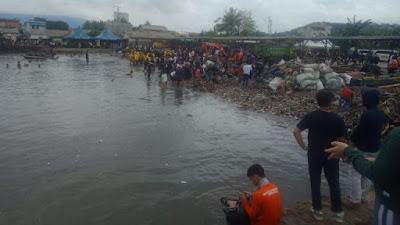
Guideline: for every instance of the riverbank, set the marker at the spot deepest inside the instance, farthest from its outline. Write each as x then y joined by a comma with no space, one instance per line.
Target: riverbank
295,104
36,48
300,214
83,50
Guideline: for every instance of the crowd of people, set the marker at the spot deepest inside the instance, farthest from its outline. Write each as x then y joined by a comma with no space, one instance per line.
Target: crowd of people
214,63
371,158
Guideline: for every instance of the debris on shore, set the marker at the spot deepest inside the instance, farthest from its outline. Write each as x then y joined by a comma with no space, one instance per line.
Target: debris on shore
289,99
300,214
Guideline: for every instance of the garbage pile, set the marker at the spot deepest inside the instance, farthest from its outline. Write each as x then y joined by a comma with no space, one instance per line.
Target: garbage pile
308,77
289,89
389,105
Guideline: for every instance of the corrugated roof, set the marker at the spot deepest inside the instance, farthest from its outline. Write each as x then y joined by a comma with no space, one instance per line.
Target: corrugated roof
153,27
9,31
148,34
56,33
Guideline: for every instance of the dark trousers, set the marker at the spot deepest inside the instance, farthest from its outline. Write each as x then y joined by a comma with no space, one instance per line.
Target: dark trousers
246,78
236,216
331,170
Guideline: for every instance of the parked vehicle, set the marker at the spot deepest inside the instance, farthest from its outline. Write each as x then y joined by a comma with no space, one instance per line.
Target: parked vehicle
363,51
384,54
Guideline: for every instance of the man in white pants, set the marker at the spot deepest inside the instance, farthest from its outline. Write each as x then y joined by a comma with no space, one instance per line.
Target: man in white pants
367,139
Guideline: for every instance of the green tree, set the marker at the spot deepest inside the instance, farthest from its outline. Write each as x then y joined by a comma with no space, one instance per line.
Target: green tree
248,26
208,33
39,19
229,24
235,23
93,28
57,25
352,28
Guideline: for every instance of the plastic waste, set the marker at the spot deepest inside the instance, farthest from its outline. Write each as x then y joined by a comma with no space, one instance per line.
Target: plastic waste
304,76
324,68
313,66
320,85
274,84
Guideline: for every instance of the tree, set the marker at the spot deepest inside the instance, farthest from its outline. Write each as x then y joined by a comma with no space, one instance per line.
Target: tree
209,33
39,19
352,28
147,23
94,27
57,25
235,23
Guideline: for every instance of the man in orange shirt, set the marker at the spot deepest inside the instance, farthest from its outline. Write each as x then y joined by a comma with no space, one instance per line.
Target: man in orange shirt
393,65
263,207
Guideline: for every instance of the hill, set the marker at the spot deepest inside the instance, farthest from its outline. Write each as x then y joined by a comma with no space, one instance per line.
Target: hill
382,29
73,22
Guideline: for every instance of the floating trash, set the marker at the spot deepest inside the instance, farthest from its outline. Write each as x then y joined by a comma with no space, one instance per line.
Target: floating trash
183,182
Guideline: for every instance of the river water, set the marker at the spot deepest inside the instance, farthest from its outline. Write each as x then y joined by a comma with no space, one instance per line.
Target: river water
84,144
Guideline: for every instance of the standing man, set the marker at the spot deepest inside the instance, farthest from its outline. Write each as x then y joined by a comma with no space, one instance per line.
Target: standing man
323,126
247,68
384,172
87,56
367,139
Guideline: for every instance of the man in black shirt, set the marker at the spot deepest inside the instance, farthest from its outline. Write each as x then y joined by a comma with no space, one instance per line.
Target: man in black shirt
323,126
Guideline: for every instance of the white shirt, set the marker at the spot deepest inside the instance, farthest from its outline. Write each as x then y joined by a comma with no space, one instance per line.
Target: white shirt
247,69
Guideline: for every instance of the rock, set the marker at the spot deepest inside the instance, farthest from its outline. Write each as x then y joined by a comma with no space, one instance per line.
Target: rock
261,99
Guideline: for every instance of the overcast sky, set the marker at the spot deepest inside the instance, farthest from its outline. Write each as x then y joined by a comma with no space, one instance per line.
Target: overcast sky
195,15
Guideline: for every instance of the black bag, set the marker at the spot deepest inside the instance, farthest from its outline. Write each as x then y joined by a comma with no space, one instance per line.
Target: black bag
237,215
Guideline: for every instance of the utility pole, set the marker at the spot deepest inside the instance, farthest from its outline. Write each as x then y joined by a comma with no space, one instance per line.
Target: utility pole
269,25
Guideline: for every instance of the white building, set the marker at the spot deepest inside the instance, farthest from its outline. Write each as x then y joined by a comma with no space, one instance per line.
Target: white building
35,29
121,17
120,24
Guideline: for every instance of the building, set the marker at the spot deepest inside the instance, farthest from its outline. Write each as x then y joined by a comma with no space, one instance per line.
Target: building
315,30
150,32
10,29
120,23
35,29
56,36
121,17
10,23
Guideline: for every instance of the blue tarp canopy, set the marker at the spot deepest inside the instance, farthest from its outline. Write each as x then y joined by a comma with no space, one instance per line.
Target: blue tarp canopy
107,35
37,23
79,34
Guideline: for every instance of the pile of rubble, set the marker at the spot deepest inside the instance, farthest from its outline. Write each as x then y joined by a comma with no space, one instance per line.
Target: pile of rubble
292,93
389,104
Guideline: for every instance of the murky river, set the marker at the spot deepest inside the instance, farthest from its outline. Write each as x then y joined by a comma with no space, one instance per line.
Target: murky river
84,144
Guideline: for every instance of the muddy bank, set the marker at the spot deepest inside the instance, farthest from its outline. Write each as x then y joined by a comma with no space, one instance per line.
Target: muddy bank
295,104
300,214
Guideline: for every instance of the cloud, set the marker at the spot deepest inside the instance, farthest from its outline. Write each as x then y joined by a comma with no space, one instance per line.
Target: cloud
195,15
